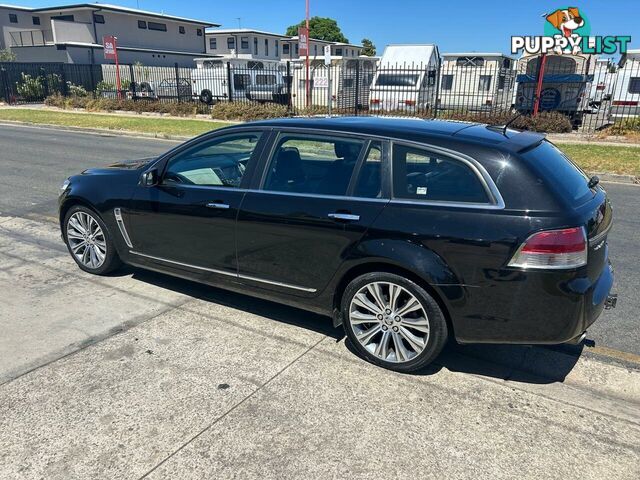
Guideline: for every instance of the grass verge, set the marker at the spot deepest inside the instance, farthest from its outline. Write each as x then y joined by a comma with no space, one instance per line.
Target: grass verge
148,125
604,158
592,158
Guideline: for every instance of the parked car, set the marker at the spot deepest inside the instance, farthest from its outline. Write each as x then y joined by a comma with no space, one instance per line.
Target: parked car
404,231
268,87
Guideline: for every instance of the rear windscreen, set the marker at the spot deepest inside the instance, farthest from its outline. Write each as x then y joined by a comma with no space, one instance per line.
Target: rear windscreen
561,173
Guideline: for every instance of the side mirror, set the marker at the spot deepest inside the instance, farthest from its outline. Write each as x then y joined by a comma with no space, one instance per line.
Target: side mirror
149,178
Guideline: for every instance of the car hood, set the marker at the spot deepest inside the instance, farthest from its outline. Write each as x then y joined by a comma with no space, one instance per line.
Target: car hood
120,166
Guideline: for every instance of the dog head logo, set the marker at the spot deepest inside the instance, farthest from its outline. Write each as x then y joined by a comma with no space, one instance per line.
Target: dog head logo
566,20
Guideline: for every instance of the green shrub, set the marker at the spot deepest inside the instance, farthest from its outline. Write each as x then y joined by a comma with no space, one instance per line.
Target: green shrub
104,86
549,122
30,88
76,90
247,111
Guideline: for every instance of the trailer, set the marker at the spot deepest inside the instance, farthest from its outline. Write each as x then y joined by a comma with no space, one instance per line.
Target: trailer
350,81
406,79
604,77
625,99
566,83
476,81
222,79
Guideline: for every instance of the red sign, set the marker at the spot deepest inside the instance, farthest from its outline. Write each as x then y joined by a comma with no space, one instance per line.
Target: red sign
110,47
303,42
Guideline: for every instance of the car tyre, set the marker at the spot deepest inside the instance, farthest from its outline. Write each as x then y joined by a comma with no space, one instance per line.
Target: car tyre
411,327
206,97
104,259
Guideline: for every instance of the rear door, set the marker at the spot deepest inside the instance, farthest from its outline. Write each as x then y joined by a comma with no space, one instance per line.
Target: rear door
317,195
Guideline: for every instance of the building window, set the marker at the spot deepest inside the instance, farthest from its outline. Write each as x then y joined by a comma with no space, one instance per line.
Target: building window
36,20
297,49
255,45
199,32
64,18
286,48
181,30
470,62
244,43
158,27
277,48
485,83
315,49
266,47
142,24
447,82
338,51
231,43
13,18
213,43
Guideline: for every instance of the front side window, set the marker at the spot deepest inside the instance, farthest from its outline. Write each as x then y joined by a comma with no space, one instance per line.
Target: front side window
484,84
220,162
312,164
420,174
241,81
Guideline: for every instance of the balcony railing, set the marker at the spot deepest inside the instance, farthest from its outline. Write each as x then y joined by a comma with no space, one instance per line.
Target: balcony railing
31,38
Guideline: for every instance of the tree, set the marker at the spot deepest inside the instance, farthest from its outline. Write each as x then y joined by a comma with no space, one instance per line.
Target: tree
368,48
7,55
320,28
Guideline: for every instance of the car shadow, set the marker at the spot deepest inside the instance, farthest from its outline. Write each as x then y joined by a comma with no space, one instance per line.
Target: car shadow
520,363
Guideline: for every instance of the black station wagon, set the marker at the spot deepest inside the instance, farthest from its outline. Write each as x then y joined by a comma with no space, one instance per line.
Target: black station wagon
404,231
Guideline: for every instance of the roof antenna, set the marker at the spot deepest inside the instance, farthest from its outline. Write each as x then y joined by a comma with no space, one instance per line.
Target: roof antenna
506,125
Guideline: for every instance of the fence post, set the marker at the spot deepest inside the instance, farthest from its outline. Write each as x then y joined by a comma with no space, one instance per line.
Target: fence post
177,70
540,79
437,90
45,81
356,105
92,80
229,86
132,83
289,82
63,79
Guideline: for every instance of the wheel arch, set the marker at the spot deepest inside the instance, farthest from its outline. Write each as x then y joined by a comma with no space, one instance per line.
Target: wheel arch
71,202
377,266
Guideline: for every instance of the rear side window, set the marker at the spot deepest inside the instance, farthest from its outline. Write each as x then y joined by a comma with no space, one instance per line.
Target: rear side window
420,174
558,171
313,164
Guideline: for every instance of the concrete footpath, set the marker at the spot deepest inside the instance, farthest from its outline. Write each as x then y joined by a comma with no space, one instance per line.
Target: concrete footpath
142,376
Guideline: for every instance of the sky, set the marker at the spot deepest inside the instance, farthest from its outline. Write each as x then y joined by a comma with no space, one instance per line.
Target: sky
455,26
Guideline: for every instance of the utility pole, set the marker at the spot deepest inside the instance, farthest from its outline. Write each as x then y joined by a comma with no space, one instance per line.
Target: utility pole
308,47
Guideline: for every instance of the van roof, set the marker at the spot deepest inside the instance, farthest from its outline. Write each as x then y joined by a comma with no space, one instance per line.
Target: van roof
414,129
397,54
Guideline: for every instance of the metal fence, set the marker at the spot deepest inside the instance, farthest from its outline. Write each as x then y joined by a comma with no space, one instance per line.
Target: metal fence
590,93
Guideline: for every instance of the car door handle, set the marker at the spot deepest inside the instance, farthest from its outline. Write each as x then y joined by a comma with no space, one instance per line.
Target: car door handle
219,205
344,216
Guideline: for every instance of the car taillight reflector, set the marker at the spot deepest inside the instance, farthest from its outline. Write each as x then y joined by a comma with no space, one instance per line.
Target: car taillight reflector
553,249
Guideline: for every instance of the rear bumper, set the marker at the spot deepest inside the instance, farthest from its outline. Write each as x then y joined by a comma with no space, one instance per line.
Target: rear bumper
532,308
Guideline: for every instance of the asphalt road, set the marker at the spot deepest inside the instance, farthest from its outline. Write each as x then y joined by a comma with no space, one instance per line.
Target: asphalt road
34,161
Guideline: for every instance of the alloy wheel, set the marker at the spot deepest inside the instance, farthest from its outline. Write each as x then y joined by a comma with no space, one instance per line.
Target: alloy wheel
86,240
389,322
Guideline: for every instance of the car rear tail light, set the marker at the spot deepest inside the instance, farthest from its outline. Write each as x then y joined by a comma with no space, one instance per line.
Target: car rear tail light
623,103
374,101
600,86
409,103
553,249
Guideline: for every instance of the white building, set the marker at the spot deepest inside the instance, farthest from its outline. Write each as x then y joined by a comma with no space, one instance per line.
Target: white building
73,34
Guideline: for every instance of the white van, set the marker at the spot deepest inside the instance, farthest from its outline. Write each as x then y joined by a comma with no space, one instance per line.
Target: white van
350,81
625,99
218,79
476,81
406,79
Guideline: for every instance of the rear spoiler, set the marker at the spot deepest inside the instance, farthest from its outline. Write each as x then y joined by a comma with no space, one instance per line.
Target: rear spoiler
524,141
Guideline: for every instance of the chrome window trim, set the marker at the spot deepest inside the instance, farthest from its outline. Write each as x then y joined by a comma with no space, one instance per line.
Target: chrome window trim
496,202
121,226
223,272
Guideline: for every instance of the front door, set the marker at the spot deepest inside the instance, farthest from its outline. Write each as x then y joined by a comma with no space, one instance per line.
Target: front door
188,219
318,196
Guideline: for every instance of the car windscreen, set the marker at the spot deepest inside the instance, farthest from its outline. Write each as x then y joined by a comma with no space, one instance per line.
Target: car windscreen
397,79
558,171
